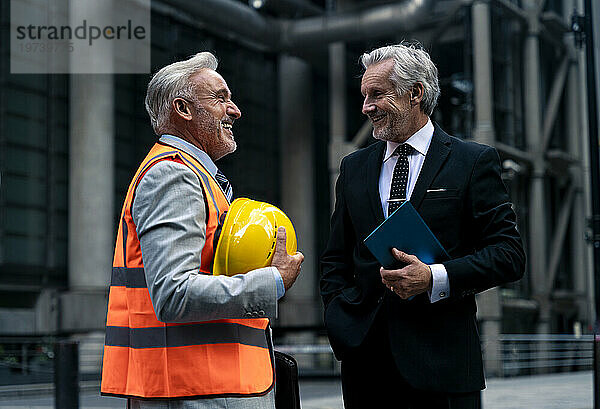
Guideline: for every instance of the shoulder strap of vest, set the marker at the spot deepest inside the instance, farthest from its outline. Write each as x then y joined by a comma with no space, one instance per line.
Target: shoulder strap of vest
149,162
204,175
197,165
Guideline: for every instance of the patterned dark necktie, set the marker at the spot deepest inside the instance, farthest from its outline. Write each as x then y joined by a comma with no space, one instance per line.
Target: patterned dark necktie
225,185
399,179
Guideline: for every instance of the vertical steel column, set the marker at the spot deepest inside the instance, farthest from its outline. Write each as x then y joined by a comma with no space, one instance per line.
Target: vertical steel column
482,73
91,192
298,183
581,263
4,74
538,234
91,181
338,147
489,302
592,14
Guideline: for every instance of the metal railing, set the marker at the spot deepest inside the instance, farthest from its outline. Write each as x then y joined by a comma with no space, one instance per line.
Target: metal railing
519,354
31,359
26,359
50,364
523,354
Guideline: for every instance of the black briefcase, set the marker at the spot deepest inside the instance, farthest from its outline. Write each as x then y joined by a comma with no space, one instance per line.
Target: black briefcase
287,391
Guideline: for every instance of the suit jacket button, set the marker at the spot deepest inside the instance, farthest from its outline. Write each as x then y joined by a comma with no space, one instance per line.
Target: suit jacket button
442,294
248,314
261,312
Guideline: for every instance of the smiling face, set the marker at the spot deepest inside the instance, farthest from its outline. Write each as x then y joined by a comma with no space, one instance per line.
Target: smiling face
392,116
212,114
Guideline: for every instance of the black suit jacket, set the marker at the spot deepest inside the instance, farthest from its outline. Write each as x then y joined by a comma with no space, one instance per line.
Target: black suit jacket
436,346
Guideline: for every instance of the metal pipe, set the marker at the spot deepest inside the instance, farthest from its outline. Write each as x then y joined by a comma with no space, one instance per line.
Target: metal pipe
297,8
538,252
91,167
297,163
482,69
558,86
337,112
580,264
559,236
222,17
594,149
225,17
355,25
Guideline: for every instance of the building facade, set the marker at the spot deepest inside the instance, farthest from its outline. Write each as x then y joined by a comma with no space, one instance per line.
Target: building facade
511,77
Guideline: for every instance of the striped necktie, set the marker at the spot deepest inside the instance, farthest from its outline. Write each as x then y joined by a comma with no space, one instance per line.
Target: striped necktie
399,178
225,185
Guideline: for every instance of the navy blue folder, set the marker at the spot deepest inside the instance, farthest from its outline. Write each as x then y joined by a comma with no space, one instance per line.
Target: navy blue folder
407,231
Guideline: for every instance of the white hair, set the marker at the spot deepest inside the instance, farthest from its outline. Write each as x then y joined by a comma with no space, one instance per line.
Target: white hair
412,64
171,82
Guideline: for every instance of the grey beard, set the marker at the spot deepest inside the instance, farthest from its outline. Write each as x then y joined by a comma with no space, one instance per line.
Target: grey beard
384,135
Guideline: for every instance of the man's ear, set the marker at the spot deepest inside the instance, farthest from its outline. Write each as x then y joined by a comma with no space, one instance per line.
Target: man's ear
416,93
182,108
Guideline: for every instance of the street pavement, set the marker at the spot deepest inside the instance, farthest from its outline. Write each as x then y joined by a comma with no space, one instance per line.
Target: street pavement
556,391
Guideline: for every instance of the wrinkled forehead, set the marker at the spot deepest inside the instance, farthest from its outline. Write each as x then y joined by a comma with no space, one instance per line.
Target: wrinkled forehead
209,81
377,75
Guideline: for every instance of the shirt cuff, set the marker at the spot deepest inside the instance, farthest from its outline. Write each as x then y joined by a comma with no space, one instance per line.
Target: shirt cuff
279,282
440,288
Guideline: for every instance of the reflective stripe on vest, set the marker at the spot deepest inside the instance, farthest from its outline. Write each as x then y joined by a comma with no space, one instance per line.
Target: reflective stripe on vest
146,358
185,335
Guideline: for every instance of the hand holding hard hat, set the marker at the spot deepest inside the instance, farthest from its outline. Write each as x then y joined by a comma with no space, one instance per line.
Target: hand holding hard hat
288,265
250,238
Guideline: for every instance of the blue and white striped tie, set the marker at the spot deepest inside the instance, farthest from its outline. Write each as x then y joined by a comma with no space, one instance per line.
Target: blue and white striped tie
225,185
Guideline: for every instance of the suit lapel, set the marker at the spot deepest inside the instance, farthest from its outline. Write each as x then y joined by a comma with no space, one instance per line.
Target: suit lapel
436,155
374,162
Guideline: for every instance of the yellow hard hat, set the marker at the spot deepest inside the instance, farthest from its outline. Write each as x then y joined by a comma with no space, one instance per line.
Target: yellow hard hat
248,236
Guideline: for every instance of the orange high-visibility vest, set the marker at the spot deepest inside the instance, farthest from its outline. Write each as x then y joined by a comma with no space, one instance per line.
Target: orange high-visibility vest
146,358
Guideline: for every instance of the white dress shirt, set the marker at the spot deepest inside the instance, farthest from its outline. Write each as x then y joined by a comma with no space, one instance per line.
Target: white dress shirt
420,142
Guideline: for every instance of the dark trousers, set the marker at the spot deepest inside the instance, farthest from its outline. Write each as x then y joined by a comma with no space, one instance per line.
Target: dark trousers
370,379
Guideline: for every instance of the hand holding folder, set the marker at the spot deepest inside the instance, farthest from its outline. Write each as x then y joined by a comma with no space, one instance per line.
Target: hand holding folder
406,231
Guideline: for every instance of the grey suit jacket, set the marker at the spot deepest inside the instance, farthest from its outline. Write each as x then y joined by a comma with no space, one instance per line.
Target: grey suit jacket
170,218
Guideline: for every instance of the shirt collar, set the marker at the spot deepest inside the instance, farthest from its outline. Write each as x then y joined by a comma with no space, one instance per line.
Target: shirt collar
192,150
420,141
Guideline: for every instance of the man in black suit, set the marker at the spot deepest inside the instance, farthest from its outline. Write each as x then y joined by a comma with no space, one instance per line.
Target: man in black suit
407,337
